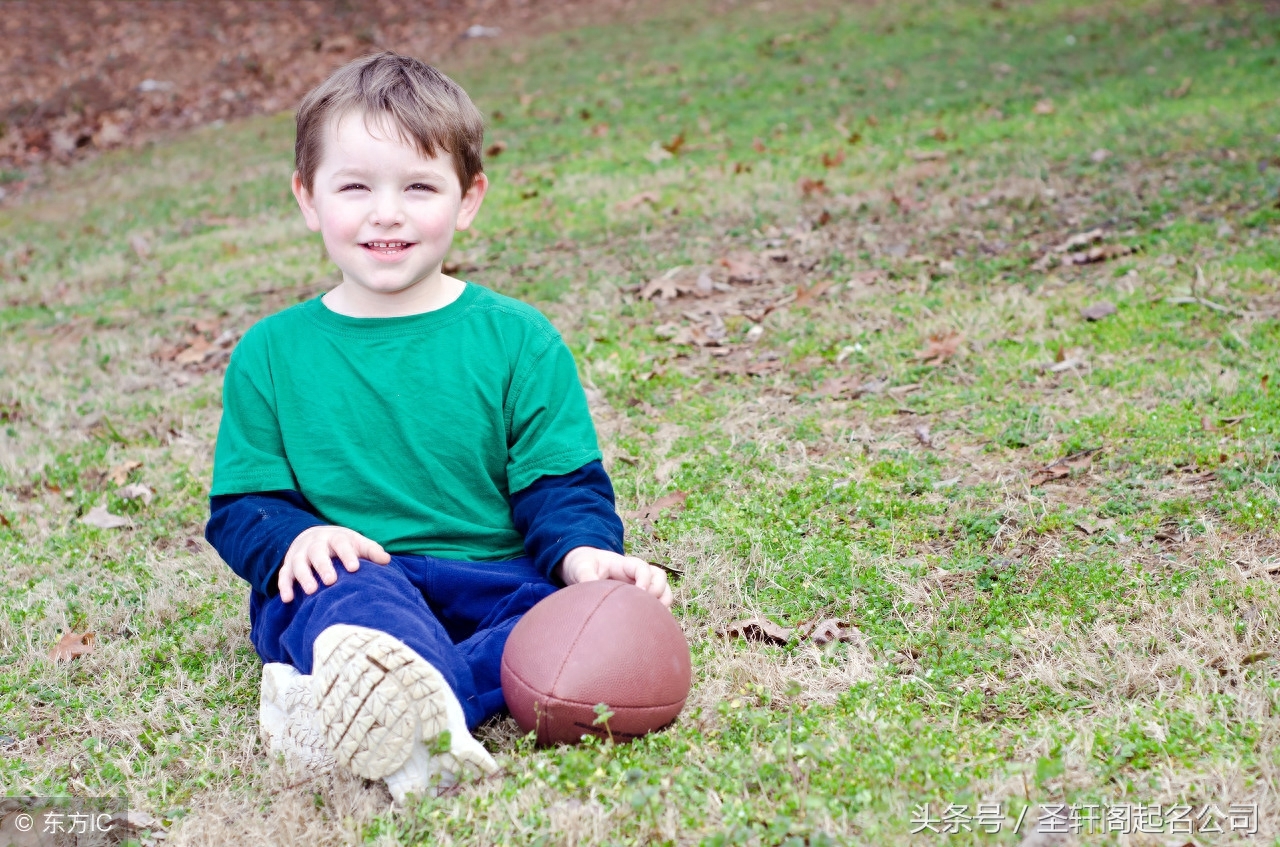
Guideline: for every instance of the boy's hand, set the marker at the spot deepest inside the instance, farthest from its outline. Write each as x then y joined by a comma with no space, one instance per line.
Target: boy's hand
314,550
586,564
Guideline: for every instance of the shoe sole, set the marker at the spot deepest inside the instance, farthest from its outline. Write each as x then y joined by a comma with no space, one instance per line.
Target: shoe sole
375,697
286,721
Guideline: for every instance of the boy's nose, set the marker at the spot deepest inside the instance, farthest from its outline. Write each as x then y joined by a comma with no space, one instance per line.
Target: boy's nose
387,211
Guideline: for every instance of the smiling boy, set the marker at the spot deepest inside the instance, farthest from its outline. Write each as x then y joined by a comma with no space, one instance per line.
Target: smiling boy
412,451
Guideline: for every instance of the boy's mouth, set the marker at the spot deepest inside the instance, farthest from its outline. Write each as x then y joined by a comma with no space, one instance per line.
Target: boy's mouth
387,248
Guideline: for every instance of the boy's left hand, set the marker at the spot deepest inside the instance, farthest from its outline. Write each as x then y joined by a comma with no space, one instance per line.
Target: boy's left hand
587,564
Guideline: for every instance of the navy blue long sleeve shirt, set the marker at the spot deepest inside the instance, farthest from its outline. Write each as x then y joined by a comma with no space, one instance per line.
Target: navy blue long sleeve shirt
252,532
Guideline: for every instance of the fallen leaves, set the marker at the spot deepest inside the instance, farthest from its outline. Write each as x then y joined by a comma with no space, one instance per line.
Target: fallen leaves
1043,107
72,645
136,491
806,295
1097,311
205,348
811,187
758,629
1083,249
102,518
672,503
1181,91
765,631
939,348
637,200
673,146
1063,467
849,387
119,474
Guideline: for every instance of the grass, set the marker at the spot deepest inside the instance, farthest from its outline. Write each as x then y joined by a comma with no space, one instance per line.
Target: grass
1103,637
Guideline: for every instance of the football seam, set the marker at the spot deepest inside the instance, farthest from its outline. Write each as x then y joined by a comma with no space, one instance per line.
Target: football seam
573,644
534,689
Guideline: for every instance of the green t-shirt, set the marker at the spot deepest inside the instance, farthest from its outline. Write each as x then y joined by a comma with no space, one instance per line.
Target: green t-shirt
413,431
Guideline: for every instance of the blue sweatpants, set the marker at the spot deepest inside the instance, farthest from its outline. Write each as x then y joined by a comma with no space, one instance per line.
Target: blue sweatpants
456,615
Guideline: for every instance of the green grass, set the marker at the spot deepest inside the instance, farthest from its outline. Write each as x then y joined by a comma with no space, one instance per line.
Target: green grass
1101,638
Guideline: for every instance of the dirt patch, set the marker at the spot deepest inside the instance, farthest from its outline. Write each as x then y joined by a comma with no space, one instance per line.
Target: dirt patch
84,77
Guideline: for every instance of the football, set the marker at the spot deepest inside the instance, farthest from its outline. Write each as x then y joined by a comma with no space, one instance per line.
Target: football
602,642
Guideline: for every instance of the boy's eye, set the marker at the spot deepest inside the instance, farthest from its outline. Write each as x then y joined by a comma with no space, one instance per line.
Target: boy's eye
421,186
352,186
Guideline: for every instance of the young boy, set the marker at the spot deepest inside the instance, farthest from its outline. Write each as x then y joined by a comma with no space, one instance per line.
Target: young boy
412,451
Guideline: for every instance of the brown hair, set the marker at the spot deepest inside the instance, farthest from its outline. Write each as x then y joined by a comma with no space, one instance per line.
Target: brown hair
427,108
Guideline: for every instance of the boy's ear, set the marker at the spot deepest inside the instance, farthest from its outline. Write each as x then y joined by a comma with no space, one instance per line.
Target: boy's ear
471,201
306,202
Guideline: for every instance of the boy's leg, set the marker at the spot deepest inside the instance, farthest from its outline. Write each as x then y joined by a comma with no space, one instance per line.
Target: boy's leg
386,672
479,603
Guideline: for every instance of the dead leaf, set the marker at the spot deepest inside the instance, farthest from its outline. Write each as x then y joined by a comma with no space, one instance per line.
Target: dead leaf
637,200
137,821
1048,474
1043,107
1083,239
72,645
137,491
739,271
196,352
939,348
810,187
840,386
674,502
664,286
757,629
657,153
120,473
1062,467
1098,311
807,296
599,130
831,631
1181,91
1093,526
758,145
1255,657
495,149
99,516
673,146
923,435
141,247
831,161
704,286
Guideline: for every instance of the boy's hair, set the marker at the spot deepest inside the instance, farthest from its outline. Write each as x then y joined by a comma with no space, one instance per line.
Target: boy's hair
428,109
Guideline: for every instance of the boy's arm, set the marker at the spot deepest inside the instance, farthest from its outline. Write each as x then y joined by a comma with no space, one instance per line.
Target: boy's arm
558,513
573,532
273,539
252,532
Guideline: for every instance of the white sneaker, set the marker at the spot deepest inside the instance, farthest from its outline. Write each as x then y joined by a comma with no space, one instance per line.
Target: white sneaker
382,707
287,720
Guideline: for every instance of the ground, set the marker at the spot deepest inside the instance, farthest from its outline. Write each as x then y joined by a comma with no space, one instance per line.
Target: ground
938,336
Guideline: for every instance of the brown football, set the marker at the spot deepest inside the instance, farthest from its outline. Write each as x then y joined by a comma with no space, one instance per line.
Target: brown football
596,642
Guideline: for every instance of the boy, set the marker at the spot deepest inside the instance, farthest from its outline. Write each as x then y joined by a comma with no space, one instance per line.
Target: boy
411,451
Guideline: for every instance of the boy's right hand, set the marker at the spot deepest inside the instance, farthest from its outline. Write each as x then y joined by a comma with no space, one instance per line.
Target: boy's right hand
315,549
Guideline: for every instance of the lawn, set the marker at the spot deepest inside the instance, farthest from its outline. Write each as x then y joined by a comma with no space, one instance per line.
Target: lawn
951,322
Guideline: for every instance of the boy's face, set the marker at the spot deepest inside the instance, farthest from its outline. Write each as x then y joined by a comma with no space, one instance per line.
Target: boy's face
387,213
